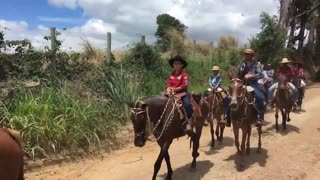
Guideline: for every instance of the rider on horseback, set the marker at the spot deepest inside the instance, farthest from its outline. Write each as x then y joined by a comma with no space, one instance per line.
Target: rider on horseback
250,71
287,71
178,83
298,68
215,83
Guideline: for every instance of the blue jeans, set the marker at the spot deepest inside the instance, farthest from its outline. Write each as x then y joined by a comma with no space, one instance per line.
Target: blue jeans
275,85
226,102
187,105
259,101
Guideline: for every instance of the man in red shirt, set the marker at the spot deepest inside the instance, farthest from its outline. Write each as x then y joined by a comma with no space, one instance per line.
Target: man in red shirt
286,70
178,83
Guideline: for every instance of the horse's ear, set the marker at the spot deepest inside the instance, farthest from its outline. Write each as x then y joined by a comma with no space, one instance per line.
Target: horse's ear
143,106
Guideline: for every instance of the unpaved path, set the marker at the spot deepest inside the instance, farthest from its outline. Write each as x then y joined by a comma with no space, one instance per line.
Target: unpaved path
293,154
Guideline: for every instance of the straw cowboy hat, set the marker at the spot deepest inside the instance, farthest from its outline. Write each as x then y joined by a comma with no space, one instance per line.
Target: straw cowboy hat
285,61
248,51
180,59
215,68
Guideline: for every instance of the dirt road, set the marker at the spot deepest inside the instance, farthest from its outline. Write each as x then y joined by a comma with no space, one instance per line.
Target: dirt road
292,154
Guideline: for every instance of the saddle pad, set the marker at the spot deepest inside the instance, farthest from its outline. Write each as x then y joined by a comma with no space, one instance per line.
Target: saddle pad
249,88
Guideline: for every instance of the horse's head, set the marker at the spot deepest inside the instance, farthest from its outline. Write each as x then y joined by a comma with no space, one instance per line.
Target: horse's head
282,81
237,92
139,121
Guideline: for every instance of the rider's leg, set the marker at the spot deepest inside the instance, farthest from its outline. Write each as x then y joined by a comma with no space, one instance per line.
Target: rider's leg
187,105
271,90
259,102
294,91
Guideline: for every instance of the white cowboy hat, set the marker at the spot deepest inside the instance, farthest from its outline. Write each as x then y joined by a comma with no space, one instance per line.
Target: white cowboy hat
215,68
285,61
248,51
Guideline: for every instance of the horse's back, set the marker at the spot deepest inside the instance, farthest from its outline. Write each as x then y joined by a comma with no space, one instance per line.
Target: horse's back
11,155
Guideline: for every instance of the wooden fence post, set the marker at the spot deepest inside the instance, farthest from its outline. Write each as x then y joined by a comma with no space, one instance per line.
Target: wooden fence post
143,39
109,47
194,49
210,53
53,48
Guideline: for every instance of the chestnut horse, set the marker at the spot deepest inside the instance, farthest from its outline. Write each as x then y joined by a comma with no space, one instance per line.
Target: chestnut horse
162,116
11,155
283,101
243,115
215,100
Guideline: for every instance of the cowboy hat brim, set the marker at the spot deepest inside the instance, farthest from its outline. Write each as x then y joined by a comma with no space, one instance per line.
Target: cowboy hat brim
180,59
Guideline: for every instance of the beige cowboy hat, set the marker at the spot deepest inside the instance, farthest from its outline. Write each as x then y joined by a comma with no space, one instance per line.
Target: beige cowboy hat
285,61
248,51
215,68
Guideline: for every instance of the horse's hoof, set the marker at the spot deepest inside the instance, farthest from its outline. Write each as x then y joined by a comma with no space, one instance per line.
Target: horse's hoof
220,142
169,176
288,120
193,164
212,145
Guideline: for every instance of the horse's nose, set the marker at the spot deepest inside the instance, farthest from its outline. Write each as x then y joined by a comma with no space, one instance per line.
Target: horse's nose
234,100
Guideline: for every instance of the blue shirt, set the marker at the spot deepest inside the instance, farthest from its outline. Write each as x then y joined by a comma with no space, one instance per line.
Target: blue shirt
252,68
215,80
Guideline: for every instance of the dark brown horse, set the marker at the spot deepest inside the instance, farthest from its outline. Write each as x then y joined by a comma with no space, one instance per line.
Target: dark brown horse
161,116
215,101
284,101
11,155
296,81
243,115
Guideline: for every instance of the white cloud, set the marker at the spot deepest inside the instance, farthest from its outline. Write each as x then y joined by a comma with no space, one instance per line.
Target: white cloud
94,30
207,20
58,19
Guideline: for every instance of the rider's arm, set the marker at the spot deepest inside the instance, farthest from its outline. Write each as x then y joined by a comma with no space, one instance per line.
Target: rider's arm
258,72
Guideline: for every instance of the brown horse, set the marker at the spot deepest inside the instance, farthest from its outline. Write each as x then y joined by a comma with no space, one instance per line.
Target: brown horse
243,115
215,101
284,101
296,81
161,116
11,155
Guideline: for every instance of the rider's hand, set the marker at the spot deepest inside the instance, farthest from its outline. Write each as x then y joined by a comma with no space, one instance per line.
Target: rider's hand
247,76
169,90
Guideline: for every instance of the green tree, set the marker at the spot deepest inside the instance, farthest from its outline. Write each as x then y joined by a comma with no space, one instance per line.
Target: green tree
270,42
166,23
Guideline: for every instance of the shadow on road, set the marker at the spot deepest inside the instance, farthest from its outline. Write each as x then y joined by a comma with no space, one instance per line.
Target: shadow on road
187,173
244,162
290,129
227,141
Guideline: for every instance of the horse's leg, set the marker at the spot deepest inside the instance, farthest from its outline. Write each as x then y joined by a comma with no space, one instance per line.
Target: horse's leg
288,115
236,138
284,119
196,144
248,140
222,126
212,132
259,134
244,138
277,116
164,150
167,158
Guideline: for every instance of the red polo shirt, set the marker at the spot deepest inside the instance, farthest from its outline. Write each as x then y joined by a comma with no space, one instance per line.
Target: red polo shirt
178,80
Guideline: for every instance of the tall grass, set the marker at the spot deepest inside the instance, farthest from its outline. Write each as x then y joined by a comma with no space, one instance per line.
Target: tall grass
54,120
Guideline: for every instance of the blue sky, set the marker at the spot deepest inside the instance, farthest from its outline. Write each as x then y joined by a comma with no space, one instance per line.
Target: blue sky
207,20
37,12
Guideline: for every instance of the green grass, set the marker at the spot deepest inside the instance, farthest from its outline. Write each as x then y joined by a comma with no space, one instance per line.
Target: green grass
54,120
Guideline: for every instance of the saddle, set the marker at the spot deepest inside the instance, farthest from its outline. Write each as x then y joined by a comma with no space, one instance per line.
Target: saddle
220,92
194,103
